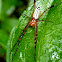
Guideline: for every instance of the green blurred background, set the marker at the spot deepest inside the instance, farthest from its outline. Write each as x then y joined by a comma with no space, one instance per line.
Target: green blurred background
10,11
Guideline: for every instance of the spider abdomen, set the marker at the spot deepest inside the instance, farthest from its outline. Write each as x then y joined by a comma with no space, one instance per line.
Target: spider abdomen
33,22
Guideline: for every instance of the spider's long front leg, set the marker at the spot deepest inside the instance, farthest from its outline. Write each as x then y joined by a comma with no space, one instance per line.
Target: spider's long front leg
35,39
49,8
33,8
19,39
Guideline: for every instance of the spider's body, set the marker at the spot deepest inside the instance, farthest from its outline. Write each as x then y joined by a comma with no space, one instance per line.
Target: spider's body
35,17
33,23
36,13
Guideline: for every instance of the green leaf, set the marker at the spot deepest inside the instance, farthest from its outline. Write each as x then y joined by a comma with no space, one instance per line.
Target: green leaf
49,42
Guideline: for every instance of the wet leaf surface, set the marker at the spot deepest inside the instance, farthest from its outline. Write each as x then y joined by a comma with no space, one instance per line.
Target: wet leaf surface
49,43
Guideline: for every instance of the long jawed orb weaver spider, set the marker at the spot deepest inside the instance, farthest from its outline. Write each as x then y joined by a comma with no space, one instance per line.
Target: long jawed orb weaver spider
33,23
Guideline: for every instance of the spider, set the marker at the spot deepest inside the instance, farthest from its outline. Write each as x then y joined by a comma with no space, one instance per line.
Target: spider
33,23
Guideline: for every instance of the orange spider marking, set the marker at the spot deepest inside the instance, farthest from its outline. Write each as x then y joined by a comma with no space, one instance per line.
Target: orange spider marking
33,22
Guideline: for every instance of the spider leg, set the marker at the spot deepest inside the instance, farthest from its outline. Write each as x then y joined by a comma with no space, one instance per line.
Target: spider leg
15,52
35,40
19,39
33,8
16,42
21,35
46,21
14,46
26,16
49,8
